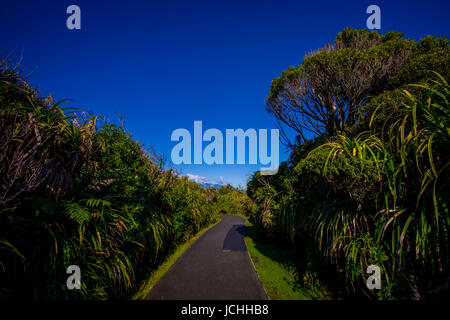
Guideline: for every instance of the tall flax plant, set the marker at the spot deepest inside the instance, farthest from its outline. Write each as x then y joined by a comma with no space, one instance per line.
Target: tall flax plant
417,139
340,221
42,153
405,229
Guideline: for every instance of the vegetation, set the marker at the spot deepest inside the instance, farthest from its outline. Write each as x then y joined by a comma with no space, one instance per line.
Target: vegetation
75,194
367,180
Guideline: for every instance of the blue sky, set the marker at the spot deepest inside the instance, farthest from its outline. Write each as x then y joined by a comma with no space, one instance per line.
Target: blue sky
165,64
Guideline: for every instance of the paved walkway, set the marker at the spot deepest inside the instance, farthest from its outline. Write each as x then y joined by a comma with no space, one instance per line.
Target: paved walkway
215,267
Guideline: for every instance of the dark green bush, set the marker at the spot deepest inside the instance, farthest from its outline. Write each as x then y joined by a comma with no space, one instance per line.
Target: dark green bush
72,194
377,191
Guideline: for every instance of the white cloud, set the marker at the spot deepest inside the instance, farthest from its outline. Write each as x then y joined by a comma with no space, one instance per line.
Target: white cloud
196,178
221,181
203,180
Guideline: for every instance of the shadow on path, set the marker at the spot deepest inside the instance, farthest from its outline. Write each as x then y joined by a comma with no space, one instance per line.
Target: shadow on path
234,240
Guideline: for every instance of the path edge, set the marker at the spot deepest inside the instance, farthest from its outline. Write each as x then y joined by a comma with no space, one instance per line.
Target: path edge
253,264
138,296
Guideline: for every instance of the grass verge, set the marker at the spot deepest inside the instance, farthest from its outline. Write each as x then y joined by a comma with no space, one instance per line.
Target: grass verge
276,269
158,273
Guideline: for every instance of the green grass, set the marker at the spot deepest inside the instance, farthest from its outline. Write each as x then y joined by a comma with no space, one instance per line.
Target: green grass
276,269
157,274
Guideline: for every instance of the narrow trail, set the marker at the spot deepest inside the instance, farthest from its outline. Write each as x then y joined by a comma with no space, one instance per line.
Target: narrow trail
216,266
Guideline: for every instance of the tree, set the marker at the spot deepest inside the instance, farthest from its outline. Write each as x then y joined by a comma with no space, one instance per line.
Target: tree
325,94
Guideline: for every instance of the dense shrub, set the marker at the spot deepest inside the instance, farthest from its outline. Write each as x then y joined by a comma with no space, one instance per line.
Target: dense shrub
73,194
377,191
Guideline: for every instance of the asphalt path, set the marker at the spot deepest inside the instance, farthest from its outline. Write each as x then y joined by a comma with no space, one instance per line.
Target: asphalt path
216,266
